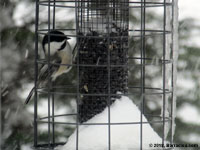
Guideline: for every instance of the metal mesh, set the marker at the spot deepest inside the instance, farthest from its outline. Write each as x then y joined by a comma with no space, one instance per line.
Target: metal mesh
114,58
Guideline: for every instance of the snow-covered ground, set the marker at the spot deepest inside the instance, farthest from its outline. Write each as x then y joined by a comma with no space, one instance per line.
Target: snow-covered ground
123,137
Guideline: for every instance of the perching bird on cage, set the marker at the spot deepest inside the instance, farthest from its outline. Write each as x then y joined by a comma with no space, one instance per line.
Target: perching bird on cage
60,55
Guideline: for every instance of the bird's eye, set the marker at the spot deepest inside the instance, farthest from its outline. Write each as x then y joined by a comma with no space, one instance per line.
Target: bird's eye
62,46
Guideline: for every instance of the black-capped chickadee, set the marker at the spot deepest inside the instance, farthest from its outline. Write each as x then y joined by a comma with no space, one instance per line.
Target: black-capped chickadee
60,58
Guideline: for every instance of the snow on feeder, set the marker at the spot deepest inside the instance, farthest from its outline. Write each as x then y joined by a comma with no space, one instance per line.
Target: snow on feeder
118,58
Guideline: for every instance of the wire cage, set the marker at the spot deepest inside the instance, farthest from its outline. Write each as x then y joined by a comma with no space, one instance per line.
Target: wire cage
114,58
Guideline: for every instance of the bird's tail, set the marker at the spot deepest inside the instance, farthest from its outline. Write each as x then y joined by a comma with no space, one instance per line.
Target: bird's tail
29,96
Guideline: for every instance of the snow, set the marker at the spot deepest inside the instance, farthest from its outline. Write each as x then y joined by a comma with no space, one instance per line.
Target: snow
188,111
7,113
26,147
23,12
25,90
191,138
43,112
185,83
189,9
26,54
123,137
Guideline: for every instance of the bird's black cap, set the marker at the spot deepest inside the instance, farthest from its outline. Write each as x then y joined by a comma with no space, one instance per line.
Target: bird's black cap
55,36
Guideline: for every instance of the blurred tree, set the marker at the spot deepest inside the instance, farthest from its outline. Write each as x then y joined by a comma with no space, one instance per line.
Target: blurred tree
15,71
188,87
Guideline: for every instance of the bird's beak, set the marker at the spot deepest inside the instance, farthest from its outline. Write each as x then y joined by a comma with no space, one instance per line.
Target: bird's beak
67,38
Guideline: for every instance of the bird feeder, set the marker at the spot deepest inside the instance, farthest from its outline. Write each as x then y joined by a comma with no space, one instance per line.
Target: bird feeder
114,59
102,28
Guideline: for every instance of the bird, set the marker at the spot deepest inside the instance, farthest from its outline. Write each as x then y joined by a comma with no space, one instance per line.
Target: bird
58,51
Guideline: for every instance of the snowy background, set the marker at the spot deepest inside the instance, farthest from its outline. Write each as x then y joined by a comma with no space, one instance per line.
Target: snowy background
17,56
188,79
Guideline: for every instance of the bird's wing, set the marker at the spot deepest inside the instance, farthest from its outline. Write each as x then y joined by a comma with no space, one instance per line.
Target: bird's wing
74,51
44,71
29,96
48,70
